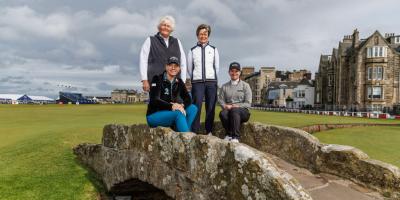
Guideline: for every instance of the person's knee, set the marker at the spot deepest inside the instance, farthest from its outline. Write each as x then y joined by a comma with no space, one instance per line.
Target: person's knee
223,114
234,112
192,109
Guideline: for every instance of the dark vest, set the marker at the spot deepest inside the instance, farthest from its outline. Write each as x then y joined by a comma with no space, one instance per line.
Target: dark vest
159,54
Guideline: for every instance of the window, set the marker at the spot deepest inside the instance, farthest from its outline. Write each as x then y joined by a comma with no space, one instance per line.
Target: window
369,73
375,92
379,73
375,73
397,39
376,51
301,94
376,107
329,96
330,80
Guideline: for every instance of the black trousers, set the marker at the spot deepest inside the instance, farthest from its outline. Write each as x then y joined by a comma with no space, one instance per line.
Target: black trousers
232,120
207,91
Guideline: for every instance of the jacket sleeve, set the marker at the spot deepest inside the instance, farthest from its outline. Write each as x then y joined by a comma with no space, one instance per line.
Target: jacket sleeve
183,61
143,59
189,64
155,93
221,97
187,100
216,61
247,97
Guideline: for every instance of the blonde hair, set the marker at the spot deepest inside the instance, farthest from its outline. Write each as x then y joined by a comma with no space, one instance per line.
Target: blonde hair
168,19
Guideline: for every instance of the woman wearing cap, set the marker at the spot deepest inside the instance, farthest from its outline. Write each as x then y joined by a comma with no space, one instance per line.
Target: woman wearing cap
235,99
157,49
170,102
203,67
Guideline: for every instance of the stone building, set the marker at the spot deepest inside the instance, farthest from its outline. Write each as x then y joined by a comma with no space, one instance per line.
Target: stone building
258,81
303,94
298,75
246,71
280,93
360,74
128,96
290,94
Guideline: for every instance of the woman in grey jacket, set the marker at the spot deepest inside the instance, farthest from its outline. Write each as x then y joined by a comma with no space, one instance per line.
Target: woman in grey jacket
202,68
235,99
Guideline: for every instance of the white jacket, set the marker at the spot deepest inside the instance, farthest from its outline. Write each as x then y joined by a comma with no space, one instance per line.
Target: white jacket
203,63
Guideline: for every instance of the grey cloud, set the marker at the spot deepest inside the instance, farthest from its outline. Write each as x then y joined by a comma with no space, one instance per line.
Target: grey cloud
95,46
105,86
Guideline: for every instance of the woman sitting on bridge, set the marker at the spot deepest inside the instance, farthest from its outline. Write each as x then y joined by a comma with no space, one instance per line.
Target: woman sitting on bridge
170,103
235,99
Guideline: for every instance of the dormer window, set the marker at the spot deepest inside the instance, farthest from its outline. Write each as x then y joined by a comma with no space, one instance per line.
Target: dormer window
376,52
397,40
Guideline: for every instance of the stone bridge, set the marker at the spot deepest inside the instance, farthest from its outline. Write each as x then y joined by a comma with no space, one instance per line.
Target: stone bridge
271,162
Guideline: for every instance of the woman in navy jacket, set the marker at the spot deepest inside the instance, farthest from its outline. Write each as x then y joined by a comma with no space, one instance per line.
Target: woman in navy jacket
170,102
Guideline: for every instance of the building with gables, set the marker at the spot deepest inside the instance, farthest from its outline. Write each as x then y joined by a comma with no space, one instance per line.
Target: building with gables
360,74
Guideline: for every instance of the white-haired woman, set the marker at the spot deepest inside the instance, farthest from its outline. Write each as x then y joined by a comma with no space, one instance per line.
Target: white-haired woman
157,49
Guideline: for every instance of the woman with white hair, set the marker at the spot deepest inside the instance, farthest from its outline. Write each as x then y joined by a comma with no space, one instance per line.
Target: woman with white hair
157,49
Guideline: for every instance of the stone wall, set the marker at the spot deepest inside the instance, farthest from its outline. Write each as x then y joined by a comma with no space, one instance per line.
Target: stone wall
304,150
187,166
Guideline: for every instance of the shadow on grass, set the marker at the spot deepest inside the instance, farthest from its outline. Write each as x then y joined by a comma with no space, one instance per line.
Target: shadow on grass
94,178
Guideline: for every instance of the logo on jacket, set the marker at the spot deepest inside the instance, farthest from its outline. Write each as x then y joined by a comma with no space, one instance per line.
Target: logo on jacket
166,92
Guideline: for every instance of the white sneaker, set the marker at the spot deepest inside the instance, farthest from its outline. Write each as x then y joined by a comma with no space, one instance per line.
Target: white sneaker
210,134
227,138
235,140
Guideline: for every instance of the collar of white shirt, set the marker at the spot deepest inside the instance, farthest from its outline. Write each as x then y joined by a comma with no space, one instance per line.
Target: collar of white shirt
235,82
166,40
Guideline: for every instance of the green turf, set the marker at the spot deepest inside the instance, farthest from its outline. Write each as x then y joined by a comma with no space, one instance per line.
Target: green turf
301,120
36,159
381,143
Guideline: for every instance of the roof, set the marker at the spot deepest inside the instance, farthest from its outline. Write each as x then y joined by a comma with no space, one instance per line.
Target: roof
395,47
276,84
305,81
15,97
41,98
252,75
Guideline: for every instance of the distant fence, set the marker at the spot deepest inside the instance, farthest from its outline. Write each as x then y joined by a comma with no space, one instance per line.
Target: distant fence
373,115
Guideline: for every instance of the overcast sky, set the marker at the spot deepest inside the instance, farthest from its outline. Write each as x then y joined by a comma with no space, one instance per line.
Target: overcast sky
93,46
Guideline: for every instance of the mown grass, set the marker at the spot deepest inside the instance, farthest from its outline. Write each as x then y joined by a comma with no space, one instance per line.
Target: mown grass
36,159
381,143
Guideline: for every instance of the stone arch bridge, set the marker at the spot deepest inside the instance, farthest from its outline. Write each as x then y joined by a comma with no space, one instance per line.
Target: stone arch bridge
271,162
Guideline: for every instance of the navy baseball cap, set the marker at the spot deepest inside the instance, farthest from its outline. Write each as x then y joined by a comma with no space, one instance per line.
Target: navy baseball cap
173,59
234,65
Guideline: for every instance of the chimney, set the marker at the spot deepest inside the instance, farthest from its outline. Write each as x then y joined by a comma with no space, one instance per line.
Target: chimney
356,38
347,38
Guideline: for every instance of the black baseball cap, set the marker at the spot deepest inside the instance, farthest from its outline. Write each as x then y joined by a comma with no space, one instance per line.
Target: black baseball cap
173,59
234,65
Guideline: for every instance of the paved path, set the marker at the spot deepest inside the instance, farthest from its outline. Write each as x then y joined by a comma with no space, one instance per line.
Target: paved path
325,186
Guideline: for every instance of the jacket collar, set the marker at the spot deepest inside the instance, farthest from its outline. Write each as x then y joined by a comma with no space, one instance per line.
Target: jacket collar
231,82
175,80
162,39
200,45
